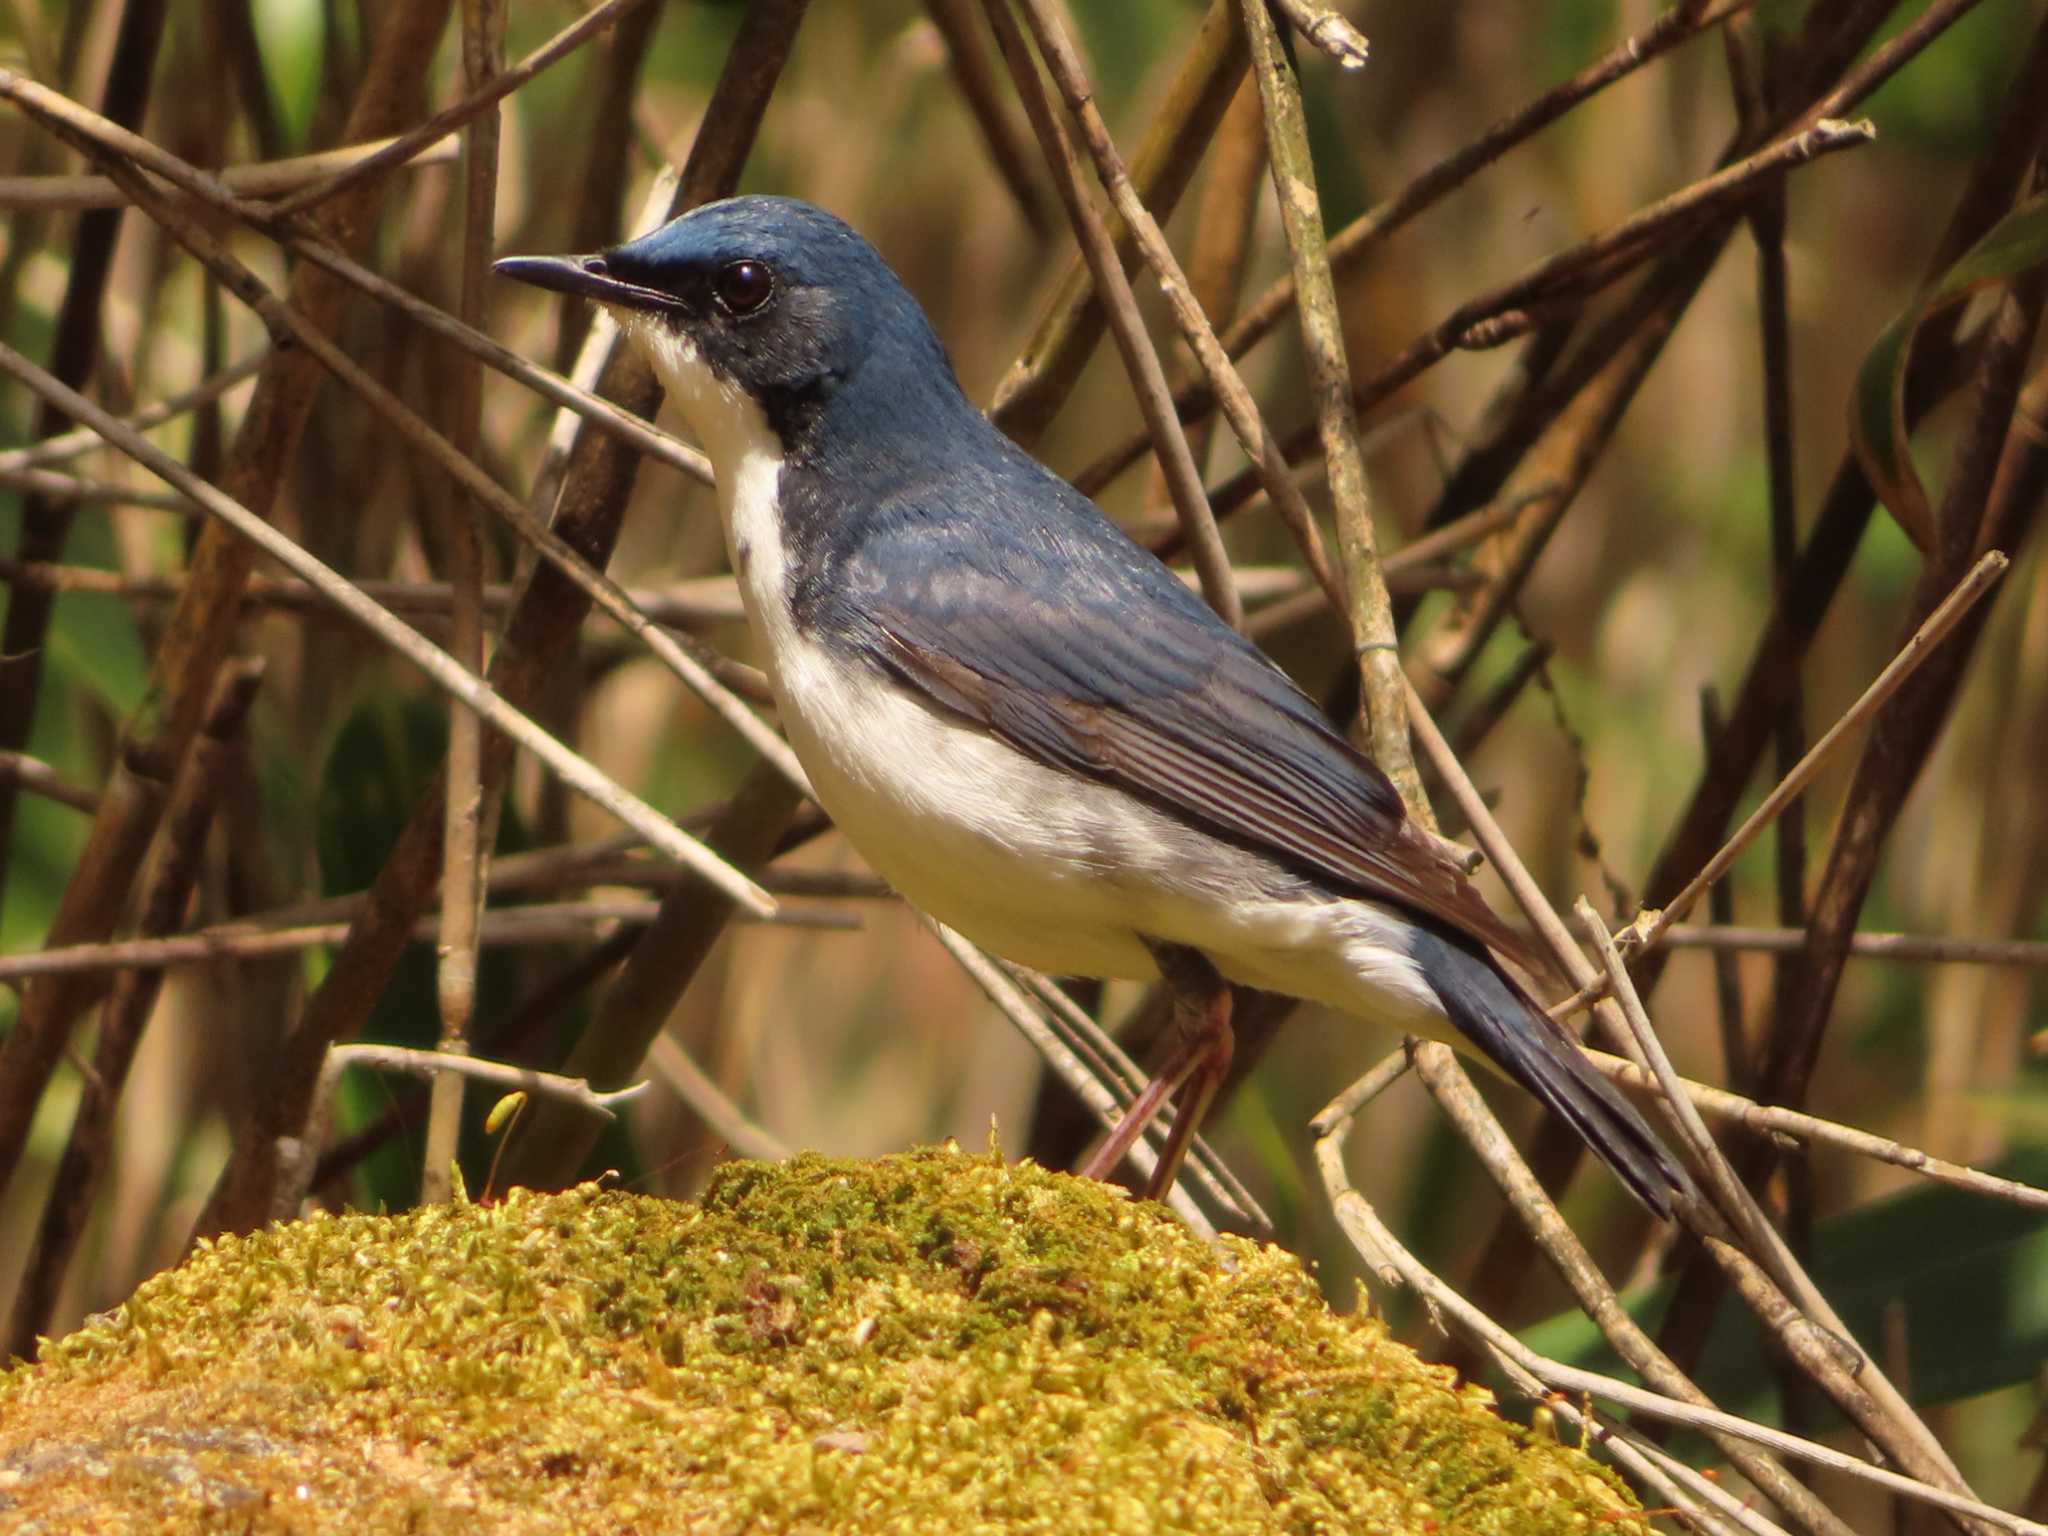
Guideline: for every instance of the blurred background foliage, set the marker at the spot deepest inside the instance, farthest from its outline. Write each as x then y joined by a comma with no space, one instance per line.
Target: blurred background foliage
1655,587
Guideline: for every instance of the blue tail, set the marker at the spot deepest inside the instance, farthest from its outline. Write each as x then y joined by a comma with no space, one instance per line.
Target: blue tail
1507,1027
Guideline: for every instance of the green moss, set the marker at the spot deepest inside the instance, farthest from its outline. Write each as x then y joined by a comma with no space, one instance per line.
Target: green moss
935,1342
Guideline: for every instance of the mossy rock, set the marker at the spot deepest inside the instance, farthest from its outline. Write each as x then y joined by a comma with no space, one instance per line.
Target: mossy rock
928,1343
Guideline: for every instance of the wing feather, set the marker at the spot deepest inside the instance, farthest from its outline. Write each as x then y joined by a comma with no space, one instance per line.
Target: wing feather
1230,743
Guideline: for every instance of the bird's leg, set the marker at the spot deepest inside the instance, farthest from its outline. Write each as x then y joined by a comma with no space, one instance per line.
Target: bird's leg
1200,1057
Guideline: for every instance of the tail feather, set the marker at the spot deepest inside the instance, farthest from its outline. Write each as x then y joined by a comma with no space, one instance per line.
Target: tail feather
1500,1020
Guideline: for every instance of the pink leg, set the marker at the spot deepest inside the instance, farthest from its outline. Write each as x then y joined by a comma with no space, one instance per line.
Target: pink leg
1200,1060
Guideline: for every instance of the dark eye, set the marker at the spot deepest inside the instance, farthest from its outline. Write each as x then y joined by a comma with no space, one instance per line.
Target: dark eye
741,287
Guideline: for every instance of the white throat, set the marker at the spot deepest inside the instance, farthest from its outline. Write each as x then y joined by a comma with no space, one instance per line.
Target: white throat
746,460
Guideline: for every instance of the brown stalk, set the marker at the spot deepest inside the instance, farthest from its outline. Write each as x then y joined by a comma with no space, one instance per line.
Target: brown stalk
512,927
195,640
1355,241
166,890
1779,1127
1038,383
1009,146
39,778
102,137
1447,1083
1865,1395
1370,611
46,525
71,445
552,1140
75,194
464,849
1113,287
1807,593
1063,61
1542,1380
479,101
595,484
466,686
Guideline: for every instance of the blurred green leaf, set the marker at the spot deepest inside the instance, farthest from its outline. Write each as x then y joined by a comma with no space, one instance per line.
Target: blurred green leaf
1877,424
288,34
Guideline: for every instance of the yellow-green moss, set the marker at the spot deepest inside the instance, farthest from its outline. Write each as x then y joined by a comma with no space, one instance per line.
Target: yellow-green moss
934,1342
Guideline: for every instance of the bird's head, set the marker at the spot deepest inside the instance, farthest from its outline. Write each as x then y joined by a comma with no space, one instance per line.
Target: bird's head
759,312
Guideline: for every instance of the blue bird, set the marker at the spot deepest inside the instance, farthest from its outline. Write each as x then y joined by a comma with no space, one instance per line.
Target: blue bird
1025,722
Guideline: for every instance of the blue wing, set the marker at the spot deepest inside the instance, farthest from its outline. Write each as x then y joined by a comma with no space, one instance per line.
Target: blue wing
1004,596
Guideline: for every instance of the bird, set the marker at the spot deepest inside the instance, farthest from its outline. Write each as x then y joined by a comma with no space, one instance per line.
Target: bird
1028,724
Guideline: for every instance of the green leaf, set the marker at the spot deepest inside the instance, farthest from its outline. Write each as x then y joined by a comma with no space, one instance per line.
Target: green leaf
1967,1275
1877,424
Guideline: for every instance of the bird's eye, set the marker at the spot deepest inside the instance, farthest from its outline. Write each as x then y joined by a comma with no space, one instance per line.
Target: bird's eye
741,287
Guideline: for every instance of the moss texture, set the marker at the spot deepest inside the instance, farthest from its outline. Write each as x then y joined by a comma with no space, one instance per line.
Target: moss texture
935,1342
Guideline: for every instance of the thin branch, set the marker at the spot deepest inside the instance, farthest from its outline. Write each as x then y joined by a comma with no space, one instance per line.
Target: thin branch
1779,1125
698,602
283,318
552,1144
244,939
1115,1067
1141,360
588,489
465,847
571,767
1009,147
39,778
1808,593
105,139
1394,1265
446,121
1648,927
1905,948
60,490
1452,1089
1362,236
1063,60
264,178
550,1085
710,1103
1326,30
1507,311
1037,384
1867,1396
71,445
1369,613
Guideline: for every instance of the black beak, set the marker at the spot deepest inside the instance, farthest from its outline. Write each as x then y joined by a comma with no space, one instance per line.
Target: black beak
584,276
